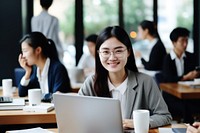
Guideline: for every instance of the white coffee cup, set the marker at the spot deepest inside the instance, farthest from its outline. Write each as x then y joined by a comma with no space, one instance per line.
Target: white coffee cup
141,121
34,96
7,87
197,80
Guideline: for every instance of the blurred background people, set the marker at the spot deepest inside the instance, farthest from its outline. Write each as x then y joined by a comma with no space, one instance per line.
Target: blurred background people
48,25
87,61
155,53
42,67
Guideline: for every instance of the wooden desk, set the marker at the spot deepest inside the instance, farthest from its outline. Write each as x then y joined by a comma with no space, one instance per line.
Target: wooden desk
180,91
155,130
13,117
22,117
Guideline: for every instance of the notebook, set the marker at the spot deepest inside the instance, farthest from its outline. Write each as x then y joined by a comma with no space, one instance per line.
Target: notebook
16,104
84,114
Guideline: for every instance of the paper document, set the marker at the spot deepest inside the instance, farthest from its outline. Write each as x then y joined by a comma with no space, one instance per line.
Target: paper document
191,84
165,130
172,130
32,130
43,108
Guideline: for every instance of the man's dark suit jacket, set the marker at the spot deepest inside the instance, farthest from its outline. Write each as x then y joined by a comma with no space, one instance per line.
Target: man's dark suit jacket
169,71
58,79
156,58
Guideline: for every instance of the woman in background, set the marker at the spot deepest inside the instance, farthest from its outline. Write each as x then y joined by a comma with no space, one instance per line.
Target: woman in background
116,76
148,30
42,67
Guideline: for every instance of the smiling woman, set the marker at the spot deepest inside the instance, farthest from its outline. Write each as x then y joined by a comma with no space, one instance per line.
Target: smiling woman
116,76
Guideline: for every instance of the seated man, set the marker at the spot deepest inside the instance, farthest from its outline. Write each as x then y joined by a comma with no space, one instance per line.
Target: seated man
179,65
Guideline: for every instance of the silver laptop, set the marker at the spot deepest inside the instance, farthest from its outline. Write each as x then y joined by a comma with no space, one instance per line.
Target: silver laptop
84,114
76,75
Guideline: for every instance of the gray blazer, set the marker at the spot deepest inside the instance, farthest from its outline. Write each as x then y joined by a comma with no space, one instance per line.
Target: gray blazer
142,93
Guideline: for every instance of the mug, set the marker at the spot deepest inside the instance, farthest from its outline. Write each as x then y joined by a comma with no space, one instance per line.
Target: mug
141,121
197,81
7,87
34,97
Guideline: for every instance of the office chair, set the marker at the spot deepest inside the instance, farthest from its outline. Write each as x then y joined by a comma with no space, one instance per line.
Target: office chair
18,74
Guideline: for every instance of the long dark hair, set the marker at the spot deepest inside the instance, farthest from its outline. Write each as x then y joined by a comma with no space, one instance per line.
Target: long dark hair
101,74
37,39
151,26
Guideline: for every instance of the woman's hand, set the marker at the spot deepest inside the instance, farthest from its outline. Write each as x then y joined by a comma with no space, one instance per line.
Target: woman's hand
23,63
128,123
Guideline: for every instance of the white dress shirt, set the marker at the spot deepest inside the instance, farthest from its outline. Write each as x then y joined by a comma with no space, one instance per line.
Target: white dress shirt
179,62
87,61
42,78
150,46
119,93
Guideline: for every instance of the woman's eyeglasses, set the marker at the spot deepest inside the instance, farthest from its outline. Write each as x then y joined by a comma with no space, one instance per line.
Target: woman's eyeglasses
107,53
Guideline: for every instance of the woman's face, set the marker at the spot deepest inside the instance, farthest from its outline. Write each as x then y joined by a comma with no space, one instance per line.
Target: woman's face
28,54
113,55
142,33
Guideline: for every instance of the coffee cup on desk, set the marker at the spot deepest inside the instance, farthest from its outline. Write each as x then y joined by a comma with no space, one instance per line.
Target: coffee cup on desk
34,97
141,121
197,81
7,87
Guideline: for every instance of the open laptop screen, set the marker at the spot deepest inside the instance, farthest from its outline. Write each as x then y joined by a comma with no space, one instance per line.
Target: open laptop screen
84,114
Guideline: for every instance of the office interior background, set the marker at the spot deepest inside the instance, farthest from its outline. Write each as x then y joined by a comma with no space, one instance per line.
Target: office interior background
79,18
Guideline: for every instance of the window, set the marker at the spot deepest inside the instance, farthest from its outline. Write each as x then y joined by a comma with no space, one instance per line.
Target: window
98,15
135,12
172,14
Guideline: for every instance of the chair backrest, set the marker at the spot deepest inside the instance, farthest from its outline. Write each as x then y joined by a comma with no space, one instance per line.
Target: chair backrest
159,78
18,74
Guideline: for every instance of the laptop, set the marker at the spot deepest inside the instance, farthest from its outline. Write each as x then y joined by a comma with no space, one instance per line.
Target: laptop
85,114
76,75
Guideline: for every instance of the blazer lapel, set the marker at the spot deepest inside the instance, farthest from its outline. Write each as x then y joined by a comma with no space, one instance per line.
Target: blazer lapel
130,94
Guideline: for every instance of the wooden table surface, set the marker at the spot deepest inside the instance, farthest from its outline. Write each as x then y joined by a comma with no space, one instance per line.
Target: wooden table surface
12,117
180,91
155,130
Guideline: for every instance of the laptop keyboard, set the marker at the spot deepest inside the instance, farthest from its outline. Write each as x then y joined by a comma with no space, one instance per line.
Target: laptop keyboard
5,99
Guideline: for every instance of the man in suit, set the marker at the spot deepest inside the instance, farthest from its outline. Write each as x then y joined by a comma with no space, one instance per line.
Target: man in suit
179,65
48,25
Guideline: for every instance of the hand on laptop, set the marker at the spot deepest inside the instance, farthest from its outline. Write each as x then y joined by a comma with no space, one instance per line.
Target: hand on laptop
128,123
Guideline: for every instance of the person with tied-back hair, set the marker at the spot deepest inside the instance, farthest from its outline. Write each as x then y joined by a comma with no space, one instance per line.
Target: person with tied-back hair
148,30
42,67
116,76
